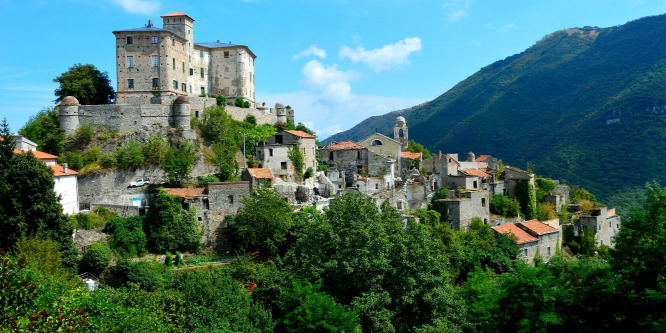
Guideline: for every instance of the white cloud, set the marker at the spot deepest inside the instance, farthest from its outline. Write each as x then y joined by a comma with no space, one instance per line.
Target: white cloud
459,9
312,50
385,57
504,28
332,82
139,6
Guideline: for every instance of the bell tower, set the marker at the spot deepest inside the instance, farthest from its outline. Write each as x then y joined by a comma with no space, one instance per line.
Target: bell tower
400,133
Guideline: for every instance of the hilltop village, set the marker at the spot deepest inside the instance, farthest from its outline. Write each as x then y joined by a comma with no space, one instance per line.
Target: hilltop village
166,81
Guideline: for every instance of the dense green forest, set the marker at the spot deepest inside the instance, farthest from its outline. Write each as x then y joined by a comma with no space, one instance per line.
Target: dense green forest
355,267
585,105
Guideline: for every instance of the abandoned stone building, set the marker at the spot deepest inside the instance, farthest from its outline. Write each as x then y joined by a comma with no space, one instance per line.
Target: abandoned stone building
467,204
212,203
274,154
533,236
354,159
166,61
604,222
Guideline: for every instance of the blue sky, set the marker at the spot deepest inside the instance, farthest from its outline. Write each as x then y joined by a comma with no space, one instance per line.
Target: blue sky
335,62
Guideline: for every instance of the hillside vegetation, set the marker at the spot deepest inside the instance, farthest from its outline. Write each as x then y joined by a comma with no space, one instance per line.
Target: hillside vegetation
585,105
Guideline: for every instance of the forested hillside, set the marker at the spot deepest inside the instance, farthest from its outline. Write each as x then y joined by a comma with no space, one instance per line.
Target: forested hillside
585,105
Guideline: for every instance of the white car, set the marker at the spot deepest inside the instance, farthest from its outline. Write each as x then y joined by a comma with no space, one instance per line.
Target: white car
140,182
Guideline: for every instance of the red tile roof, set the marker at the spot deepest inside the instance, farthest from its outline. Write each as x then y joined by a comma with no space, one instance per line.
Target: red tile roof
177,14
476,172
537,227
39,154
260,173
610,212
58,171
410,155
229,185
187,192
522,235
345,145
482,158
300,134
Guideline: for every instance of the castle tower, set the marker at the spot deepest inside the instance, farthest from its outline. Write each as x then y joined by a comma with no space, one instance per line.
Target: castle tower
69,114
281,113
400,131
180,24
181,113
471,157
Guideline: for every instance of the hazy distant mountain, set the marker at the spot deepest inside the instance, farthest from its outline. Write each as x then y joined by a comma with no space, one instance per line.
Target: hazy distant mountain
586,105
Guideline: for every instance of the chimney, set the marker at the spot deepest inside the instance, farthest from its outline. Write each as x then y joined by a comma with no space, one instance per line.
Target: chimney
64,168
218,41
150,23
230,42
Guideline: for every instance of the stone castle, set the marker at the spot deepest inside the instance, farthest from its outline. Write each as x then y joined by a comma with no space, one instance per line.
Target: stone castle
162,77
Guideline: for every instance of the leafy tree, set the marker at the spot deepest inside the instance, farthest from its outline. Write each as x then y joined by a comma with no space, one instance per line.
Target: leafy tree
156,149
127,237
546,211
396,277
178,163
526,197
414,147
224,158
97,258
41,253
169,227
263,222
168,259
638,257
502,205
44,129
543,187
86,83
309,310
301,127
297,159
130,155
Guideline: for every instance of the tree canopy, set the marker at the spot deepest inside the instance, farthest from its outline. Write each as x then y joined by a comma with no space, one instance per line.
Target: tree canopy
85,82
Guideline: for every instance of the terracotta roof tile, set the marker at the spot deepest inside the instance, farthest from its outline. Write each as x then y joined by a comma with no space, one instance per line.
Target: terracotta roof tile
476,172
39,154
177,14
537,227
58,171
610,212
344,145
300,134
482,158
522,235
410,155
260,173
187,192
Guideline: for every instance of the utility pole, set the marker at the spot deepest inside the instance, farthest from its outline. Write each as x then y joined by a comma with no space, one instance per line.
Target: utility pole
244,161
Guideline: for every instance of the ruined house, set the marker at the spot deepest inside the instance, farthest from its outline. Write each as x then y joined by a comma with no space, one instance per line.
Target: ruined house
604,222
466,205
273,154
533,236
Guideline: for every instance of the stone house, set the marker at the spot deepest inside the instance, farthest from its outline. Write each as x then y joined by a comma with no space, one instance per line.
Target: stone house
65,179
466,205
257,176
408,159
512,175
212,204
491,163
166,61
533,236
273,154
603,221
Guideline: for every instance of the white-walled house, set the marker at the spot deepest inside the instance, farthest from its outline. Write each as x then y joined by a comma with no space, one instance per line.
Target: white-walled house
65,179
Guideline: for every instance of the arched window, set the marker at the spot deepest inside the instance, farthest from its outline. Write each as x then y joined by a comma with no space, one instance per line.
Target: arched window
376,143
401,133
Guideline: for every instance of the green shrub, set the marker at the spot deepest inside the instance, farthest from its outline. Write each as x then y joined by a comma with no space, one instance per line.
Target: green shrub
126,235
131,155
502,205
250,119
97,258
73,160
246,104
168,259
238,102
179,260
149,276
109,161
204,180
92,155
221,100
308,173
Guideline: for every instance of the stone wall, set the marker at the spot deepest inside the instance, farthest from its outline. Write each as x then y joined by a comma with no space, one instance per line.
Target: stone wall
466,206
604,224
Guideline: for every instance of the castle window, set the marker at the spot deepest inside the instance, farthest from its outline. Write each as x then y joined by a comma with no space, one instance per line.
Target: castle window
183,67
154,40
358,155
175,84
376,143
156,61
130,83
525,252
226,54
201,54
330,156
483,202
203,91
202,72
156,82
130,40
174,62
191,71
549,250
231,199
270,152
283,165
183,87
173,42
130,61
278,139
250,76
